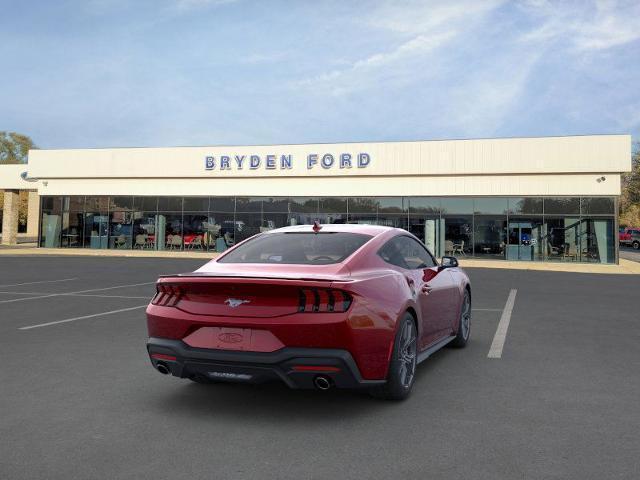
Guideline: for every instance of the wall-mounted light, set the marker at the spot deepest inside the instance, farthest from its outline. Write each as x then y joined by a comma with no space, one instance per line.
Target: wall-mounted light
25,176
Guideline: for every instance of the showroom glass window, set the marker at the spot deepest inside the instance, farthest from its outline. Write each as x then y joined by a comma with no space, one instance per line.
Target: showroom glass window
72,222
169,224
51,222
120,222
457,214
516,228
221,223
195,221
145,210
490,228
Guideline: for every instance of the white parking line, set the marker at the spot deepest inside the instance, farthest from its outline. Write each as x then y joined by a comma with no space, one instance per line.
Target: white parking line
73,294
41,281
84,317
79,291
501,332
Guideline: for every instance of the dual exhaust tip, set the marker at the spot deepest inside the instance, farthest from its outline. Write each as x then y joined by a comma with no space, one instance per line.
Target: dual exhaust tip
322,382
163,368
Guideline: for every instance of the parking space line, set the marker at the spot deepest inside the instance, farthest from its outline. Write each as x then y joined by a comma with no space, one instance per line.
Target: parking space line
74,294
79,291
501,332
40,281
84,317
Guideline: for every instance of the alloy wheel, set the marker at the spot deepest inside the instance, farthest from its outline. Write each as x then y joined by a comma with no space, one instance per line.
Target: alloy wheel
407,354
465,318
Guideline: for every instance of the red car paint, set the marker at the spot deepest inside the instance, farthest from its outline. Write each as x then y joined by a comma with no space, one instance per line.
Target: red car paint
195,308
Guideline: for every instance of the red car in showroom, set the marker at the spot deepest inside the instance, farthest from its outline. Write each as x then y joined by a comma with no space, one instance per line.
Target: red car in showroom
346,306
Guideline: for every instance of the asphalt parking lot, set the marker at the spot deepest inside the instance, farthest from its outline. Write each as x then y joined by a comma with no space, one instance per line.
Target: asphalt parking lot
79,399
629,253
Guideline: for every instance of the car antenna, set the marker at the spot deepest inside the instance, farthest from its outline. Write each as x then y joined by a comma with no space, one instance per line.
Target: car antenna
316,226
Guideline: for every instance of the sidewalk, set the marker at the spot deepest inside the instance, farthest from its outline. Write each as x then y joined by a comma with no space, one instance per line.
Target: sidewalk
626,267
87,252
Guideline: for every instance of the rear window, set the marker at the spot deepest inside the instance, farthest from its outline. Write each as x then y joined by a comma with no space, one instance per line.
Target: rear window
304,248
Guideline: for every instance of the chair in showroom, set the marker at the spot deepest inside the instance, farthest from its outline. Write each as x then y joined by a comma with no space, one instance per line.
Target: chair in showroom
458,248
175,242
141,241
448,246
121,241
197,242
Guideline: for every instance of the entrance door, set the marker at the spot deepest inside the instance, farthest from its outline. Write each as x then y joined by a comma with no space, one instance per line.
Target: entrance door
523,238
97,226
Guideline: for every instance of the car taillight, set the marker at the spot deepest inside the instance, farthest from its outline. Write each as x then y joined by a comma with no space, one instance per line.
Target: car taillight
323,300
167,295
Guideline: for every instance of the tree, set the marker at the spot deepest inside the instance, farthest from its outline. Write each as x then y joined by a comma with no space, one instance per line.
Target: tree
630,198
14,147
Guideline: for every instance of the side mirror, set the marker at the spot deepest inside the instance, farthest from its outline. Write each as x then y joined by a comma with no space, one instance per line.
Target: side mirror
449,262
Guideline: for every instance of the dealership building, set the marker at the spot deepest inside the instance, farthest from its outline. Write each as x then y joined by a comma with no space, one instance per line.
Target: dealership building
549,199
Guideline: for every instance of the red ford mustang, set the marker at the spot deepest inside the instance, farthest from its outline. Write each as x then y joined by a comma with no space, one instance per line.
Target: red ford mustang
350,306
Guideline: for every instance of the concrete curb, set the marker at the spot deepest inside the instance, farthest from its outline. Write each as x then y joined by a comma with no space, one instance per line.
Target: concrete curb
86,252
626,267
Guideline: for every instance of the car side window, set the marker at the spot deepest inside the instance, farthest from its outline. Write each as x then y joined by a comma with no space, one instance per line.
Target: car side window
406,252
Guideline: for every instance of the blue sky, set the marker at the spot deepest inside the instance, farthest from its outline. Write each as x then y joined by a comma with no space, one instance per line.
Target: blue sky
103,73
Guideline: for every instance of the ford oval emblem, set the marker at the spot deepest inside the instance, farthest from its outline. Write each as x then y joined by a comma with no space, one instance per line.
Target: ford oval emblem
230,337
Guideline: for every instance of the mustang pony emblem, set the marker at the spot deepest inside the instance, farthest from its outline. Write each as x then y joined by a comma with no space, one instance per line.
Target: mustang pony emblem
235,302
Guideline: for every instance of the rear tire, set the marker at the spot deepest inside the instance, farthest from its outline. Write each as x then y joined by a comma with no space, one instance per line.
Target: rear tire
636,245
464,323
402,367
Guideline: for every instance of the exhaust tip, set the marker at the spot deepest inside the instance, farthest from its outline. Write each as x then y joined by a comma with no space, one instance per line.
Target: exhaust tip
322,383
163,369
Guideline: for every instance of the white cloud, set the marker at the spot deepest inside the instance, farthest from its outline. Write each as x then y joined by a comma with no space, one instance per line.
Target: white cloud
600,26
419,16
479,105
423,29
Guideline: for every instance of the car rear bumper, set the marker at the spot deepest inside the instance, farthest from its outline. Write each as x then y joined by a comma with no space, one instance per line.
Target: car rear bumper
296,367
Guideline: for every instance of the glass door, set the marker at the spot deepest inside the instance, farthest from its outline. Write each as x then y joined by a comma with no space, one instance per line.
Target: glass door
524,240
97,228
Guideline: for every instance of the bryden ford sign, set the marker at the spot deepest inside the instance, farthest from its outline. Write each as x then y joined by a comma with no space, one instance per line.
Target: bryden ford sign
286,162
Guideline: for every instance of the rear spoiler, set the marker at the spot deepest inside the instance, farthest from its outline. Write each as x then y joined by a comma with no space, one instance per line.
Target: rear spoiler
202,277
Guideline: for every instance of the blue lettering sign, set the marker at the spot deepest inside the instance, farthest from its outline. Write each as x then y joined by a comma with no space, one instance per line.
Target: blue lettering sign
363,160
345,160
285,162
270,163
327,160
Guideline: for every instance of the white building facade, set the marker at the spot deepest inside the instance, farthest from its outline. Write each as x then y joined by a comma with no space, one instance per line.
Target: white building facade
533,199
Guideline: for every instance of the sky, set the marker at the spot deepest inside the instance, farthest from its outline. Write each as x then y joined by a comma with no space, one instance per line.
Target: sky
116,73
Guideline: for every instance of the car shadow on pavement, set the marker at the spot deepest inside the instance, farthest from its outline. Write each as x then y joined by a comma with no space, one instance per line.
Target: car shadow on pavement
275,402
